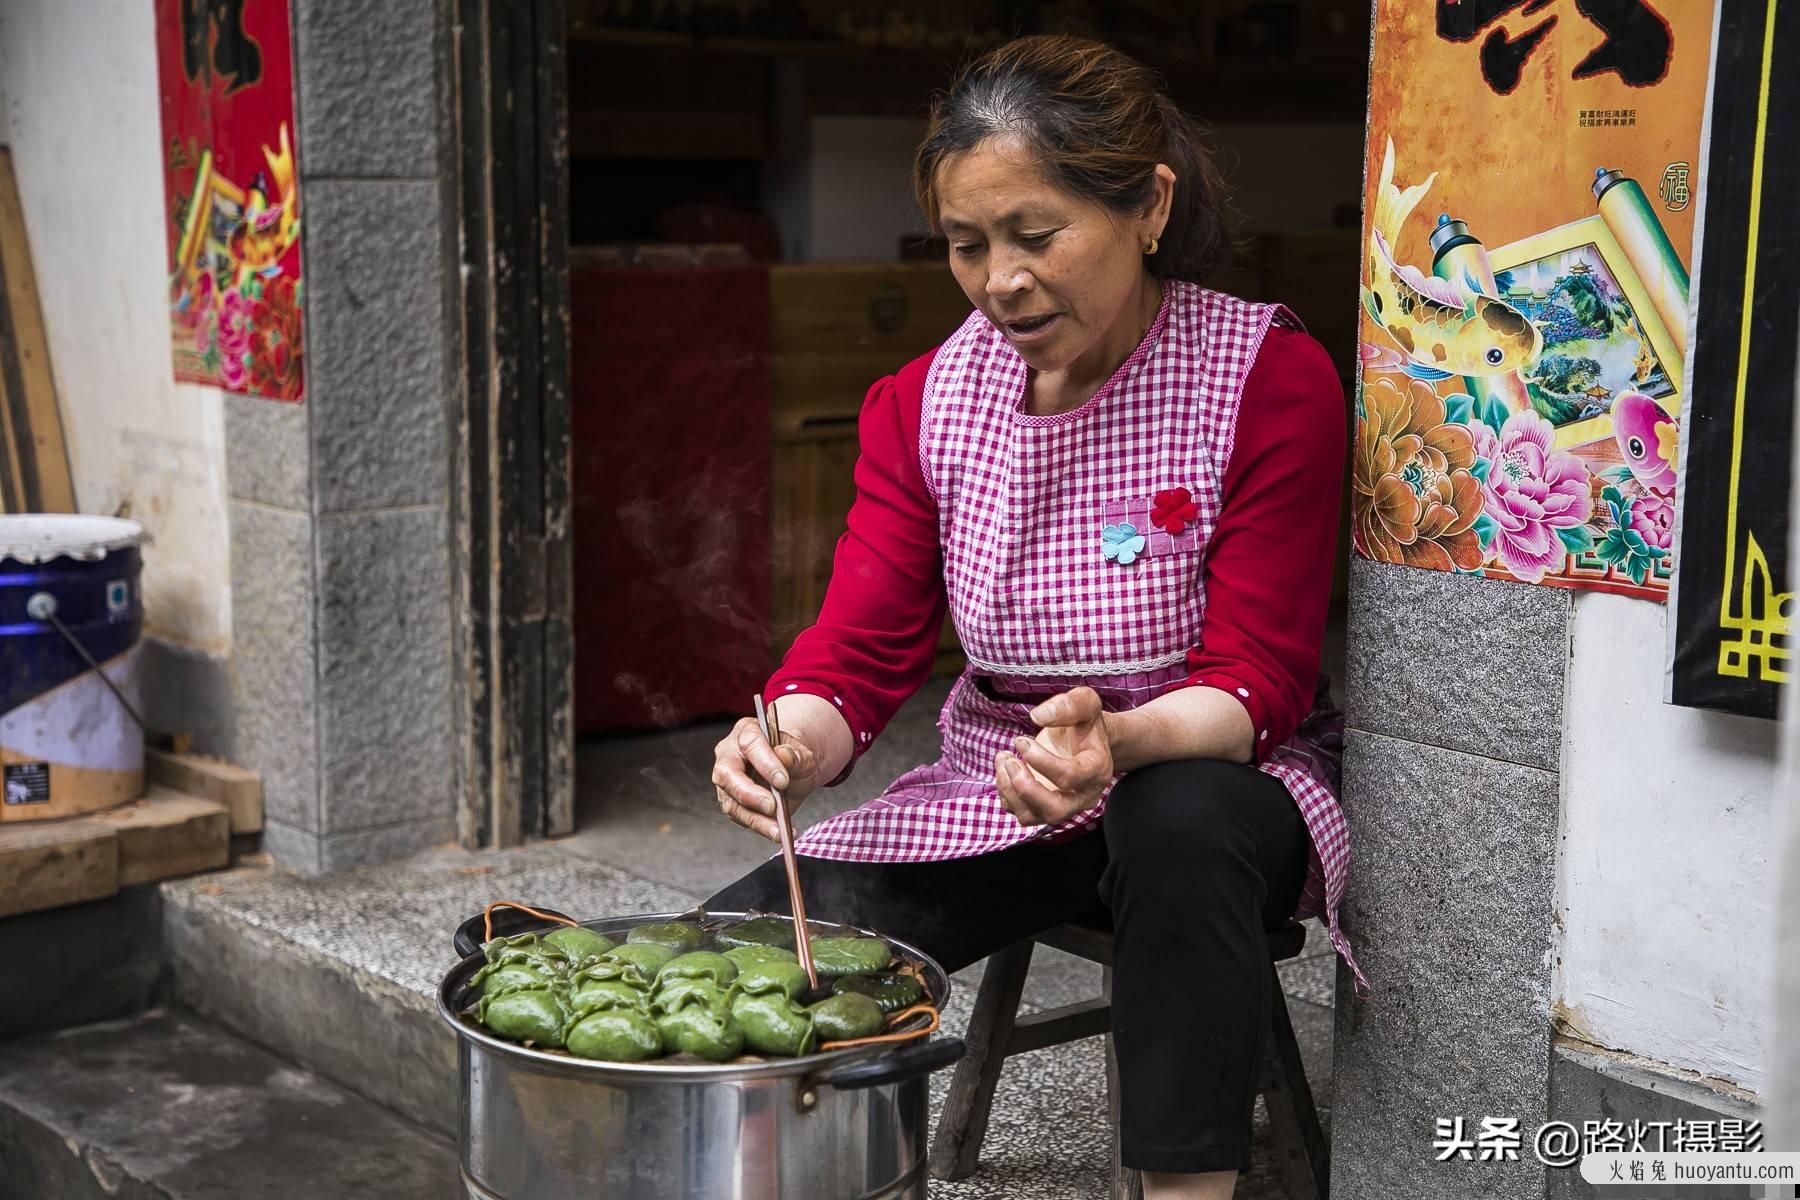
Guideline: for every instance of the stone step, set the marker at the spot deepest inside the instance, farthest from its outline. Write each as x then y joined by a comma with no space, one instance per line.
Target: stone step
165,1106
339,974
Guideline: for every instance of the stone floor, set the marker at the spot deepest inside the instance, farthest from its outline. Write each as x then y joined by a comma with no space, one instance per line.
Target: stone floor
646,808
163,1105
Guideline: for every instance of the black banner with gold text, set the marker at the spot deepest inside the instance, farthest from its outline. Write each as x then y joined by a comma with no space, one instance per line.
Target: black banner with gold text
1733,599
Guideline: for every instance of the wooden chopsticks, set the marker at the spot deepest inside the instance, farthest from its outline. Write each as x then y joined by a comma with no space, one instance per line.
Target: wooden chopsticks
771,730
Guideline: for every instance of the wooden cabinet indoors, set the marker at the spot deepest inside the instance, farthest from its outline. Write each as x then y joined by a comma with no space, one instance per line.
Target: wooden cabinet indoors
834,329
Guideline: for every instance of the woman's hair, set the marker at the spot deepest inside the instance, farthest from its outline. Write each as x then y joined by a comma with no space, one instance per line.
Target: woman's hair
1098,122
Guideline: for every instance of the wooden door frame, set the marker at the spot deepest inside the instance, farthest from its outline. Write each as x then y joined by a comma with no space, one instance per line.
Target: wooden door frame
510,507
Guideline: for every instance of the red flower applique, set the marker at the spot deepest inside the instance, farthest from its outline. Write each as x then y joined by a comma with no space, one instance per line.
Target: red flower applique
1173,510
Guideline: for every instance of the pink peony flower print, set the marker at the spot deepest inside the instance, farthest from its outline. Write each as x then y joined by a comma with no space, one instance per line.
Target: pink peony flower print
234,338
1653,517
1531,492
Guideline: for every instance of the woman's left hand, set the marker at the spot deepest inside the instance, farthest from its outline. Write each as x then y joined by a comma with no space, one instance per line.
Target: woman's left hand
1065,768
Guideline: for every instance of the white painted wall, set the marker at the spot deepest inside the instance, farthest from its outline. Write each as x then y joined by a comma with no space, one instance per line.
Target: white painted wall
860,196
1666,905
79,91
1783,1129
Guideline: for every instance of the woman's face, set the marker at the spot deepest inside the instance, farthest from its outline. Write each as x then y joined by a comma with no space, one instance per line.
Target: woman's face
1063,278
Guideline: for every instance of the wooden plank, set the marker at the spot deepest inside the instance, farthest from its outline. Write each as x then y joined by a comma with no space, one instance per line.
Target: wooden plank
553,298
1082,941
1123,1183
37,452
235,787
471,494
55,863
891,312
1302,1155
956,1148
1053,1027
168,833
521,458
811,487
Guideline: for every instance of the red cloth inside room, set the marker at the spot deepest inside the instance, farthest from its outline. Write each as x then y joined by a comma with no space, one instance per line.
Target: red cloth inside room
670,430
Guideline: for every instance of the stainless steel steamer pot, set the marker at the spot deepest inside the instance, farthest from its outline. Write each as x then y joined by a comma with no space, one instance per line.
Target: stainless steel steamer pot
843,1125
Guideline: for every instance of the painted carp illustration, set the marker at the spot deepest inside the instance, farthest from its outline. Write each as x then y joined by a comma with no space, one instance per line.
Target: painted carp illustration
1444,327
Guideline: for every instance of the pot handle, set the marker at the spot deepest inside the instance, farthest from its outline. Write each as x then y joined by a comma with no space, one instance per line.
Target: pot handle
508,919
920,1058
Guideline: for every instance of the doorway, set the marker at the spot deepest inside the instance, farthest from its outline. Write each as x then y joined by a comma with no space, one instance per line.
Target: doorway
702,252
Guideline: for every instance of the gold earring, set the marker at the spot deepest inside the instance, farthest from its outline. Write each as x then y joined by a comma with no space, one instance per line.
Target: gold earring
1151,248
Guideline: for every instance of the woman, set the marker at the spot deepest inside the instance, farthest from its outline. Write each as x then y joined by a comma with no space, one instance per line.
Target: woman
1125,488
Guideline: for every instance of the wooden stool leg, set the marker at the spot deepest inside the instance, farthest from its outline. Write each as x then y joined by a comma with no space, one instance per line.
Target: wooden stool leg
956,1147
1126,1183
1295,1134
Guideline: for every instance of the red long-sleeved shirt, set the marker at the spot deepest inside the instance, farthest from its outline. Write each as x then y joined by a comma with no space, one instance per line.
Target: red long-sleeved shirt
1269,563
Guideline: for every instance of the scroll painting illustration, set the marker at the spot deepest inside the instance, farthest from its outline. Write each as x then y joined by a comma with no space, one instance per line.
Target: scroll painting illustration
1530,227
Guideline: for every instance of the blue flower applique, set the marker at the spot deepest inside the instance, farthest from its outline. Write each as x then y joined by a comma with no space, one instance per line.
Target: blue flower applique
1122,542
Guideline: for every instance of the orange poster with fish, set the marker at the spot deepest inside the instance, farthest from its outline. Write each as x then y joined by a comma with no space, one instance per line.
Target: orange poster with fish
1528,236
232,187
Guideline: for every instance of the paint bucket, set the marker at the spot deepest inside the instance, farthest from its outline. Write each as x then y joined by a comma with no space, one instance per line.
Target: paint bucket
69,603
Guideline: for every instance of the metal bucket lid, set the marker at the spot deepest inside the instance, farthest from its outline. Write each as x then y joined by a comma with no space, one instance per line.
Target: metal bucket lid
40,537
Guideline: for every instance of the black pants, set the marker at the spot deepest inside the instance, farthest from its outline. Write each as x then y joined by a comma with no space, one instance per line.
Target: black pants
1194,861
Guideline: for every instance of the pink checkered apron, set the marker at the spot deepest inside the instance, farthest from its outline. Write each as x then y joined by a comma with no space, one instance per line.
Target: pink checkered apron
1039,607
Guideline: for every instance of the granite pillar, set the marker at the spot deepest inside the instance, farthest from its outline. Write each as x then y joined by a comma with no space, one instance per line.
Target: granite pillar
341,557
1455,698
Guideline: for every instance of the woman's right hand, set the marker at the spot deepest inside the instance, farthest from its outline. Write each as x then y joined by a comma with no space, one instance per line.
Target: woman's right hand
744,767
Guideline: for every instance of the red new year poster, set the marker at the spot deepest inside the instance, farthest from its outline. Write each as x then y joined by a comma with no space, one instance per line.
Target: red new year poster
1530,231
232,187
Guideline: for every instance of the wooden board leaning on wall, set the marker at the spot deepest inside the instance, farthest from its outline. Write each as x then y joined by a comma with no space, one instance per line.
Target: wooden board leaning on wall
34,462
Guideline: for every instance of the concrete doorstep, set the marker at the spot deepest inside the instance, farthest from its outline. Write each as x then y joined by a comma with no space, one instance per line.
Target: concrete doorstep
166,1107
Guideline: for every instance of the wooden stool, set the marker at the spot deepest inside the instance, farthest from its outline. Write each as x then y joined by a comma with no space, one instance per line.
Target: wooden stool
996,1031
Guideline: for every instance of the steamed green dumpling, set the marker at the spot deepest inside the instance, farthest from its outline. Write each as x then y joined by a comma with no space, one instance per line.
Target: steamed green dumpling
505,977
773,978
748,956
758,931
579,943
701,1025
672,994
846,1016
524,943
528,1014
521,947
519,961
773,1024
607,984
615,1035
850,955
597,997
678,936
892,992
700,964
644,956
